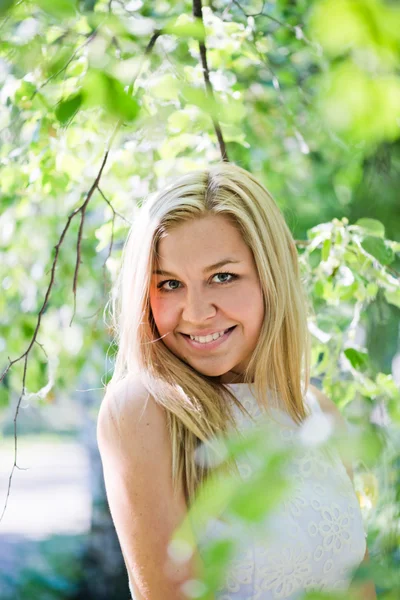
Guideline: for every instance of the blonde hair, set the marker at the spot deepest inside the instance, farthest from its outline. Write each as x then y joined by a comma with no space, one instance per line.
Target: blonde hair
198,407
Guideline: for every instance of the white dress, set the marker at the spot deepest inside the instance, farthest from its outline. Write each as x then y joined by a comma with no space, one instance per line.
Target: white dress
312,540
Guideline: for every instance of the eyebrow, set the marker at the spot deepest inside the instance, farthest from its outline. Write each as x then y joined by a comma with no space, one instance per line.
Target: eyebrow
217,265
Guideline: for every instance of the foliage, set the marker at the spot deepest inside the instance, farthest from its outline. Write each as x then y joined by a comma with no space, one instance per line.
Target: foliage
55,576
102,102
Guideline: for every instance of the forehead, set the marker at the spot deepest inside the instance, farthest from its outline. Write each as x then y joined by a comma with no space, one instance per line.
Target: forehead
202,240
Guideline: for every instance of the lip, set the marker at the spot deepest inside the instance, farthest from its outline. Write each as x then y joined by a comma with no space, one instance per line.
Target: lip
208,345
206,332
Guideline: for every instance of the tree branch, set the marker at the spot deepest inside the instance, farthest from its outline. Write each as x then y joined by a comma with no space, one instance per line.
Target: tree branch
197,12
115,213
82,210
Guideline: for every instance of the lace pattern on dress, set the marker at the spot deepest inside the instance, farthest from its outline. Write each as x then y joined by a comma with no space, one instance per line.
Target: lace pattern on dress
312,540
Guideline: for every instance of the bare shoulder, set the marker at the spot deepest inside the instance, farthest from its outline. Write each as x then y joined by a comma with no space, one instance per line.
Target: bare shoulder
135,449
129,419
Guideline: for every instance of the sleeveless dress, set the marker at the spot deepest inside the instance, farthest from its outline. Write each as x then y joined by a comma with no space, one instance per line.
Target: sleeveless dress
313,539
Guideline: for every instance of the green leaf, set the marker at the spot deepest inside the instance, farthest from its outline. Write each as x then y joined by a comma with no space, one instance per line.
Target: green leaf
371,446
25,91
315,258
58,63
66,109
358,360
7,201
393,407
104,90
165,87
393,297
198,97
340,25
58,8
5,5
326,248
185,26
377,248
4,396
217,556
373,226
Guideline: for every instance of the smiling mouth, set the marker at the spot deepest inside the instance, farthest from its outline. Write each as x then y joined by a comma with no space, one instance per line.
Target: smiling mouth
202,347
224,331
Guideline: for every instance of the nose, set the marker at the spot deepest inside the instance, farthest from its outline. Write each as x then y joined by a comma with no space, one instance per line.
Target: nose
197,307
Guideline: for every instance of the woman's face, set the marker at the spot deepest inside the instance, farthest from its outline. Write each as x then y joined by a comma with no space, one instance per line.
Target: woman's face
191,292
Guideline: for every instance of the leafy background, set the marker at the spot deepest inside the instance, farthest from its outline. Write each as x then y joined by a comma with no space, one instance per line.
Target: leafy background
101,103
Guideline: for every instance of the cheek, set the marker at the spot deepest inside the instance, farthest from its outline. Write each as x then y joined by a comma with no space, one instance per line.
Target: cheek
163,310
253,307
246,303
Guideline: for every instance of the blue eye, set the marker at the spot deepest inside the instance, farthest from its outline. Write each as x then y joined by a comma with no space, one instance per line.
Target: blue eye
161,287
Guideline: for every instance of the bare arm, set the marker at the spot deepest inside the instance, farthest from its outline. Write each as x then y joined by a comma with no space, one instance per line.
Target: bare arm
367,590
136,455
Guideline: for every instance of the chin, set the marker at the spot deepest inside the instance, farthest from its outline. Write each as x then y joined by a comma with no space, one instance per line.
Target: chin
215,373
211,372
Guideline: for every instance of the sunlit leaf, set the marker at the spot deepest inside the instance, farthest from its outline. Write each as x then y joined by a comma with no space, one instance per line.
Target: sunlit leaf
326,248
58,8
373,226
377,248
166,87
100,89
66,109
359,360
340,25
185,26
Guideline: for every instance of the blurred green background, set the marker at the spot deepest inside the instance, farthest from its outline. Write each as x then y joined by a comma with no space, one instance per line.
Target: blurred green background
102,103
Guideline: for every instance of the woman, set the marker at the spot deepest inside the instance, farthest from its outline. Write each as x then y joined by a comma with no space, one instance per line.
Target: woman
211,317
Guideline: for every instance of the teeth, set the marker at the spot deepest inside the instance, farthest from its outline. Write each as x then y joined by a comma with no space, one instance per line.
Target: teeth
207,338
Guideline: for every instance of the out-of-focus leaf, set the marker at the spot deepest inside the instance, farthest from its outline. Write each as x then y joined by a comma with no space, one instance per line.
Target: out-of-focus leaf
66,109
185,26
165,87
217,556
59,62
58,8
377,248
393,297
343,25
101,89
373,226
371,445
362,108
5,5
359,360
326,248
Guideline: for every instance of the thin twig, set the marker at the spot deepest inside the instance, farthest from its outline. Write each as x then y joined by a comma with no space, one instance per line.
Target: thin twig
296,29
69,61
112,208
197,12
82,210
115,213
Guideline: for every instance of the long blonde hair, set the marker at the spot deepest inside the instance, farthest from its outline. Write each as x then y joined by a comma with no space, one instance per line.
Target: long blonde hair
198,407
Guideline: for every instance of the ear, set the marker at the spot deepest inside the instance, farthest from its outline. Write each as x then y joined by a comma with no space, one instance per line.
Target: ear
330,408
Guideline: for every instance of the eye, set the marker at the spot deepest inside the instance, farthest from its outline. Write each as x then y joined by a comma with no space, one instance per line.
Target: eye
161,285
231,275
